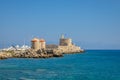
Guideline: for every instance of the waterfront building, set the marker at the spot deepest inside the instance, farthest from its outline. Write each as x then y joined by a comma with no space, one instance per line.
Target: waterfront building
65,41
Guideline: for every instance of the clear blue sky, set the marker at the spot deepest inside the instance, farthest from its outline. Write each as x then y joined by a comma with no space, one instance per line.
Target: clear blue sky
92,24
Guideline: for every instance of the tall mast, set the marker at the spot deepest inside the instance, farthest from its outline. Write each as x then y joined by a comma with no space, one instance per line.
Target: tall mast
62,36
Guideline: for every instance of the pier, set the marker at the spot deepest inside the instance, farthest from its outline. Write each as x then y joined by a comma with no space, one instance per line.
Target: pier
39,49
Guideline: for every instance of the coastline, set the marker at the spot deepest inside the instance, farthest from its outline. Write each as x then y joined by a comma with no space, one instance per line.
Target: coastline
39,49
30,53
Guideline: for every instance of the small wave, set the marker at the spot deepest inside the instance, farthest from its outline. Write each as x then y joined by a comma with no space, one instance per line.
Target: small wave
11,79
27,72
40,70
23,78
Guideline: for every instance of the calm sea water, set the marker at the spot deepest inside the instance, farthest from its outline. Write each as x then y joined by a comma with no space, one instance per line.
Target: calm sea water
92,65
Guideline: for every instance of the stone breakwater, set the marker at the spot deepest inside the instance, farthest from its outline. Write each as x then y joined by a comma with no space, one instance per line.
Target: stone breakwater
28,54
32,54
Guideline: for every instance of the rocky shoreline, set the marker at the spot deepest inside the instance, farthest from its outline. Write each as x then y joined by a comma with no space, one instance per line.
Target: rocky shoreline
32,54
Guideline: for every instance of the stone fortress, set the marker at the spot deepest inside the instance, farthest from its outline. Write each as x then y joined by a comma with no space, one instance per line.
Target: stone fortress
65,46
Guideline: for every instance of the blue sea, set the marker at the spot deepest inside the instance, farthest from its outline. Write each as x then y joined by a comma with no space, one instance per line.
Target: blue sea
91,65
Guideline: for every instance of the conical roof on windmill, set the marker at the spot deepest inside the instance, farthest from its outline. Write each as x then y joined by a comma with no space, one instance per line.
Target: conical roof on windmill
35,40
42,40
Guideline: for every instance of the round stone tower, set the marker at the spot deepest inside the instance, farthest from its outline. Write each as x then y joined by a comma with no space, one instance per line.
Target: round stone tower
38,44
42,44
35,44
